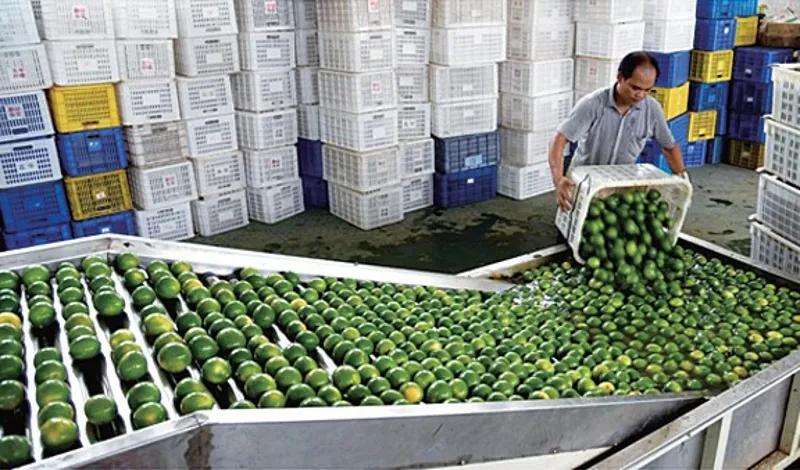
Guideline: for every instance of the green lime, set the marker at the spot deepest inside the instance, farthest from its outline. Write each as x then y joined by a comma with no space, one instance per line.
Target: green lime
72,308
84,347
70,294
297,393
148,310
230,338
208,305
141,393
143,296
41,314
11,318
79,319
174,357
288,376
98,270
9,280
257,384
102,283
239,356
91,260
187,320
34,273
317,378
122,349
371,400
135,277
52,390
100,409
149,414
203,347
187,386
272,399
166,338
12,347
108,303
132,366
46,354
80,330
216,370
14,450
9,331
274,364
179,267
158,323
11,367
246,370
50,370
438,392
12,394
168,288
305,364
59,433
55,409
42,288
196,401
119,336
126,261
330,394
412,392
242,405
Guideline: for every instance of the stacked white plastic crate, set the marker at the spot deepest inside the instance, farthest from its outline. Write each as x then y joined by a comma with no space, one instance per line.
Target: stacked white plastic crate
358,111
536,92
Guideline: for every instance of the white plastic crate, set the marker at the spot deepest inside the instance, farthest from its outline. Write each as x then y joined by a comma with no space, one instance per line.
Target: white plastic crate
307,85
412,46
266,130
82,62
534,114
145,19
28,162
540,12
17,24
579,94
522,148
465,83
197,18
275,203
417,192
786,94
361,171
468,46
591,74
412,13
412,84
260,51
265,90
413,121
548,41
305,14
206,56
205,96
146,59
219,173
156,144
220,214
308,121
669,9
356,52
264,15
778,207
782,152
774,251
357,92
360,132
464,118
66,19
147,102
169,223
460,13
536,78
162,186
609,11
669,36
24,116
269,167
354,15
608,41
212,135
367,210
306,47
416,158
523,182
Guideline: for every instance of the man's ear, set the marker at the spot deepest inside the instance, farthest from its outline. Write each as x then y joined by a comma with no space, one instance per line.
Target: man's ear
620,78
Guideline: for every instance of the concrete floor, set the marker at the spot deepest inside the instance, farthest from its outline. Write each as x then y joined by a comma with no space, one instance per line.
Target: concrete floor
455,240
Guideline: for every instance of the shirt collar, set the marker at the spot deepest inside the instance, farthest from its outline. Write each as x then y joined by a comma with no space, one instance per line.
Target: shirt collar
612,104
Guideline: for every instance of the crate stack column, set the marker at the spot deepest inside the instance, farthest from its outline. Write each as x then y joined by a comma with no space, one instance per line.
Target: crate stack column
541,79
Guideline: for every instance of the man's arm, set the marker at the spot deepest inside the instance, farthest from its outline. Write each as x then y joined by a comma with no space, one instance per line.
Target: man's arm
675,159
664,137
562,183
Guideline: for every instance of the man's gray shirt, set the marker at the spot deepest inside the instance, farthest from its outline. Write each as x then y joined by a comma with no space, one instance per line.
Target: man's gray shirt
606,137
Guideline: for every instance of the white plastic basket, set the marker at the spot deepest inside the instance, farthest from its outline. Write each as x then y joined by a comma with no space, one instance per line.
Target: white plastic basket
774,251
548,41
17,24
357,92
522,148
267,130
162,186
523,182
265,90
197,18
534,114
156,144
28,162
591,74
536,78
220,214
356,52
609,11
145,19
578,94
146,59
359,132
261,51
778,207
361,171
307,85
669,10
82,62
206,56
305,14
417,192
782,152
468,46
264,15
463,118
412,84
413,121
540,12
608,41
308,121
269,167
354,15
219,173
461,13
148,102
24,116
416,158
367,211
169,223
66,19
412,13
412,46
307,47
601,181
275,203
669,36
212,135
786,94
465,83
205,96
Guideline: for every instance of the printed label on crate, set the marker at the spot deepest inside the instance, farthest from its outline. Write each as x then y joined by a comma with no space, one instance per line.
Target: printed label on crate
88,65
409,49
273,53
100,195
376,87
409,6
408,123
106,229
208,93
221,171
210,12
470,180
148,14
406,81
270,7
94,145
14,111
276,86
379,132
224,216
214,138
152,98
214,58
80,12
168,227
147,65
415,195
376,54
27,166
468,113
278,133
17,73
373,6
170,181
473,160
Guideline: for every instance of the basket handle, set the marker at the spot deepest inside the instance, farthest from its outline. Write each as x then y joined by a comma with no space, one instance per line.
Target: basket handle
575,193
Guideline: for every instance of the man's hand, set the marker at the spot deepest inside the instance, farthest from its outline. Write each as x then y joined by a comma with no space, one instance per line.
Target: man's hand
564,188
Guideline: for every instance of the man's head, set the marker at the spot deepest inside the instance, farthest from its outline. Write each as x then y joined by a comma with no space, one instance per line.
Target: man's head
636,76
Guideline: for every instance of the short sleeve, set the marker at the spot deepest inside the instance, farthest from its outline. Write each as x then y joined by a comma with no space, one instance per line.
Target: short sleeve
661,131
579,121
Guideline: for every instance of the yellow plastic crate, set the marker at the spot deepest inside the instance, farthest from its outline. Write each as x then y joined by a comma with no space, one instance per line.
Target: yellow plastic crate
711,67
702,125
745,154
746,30
98,194
675,101
84,107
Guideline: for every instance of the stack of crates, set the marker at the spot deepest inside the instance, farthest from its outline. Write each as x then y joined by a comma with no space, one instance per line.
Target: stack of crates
468,40
358,112
540,81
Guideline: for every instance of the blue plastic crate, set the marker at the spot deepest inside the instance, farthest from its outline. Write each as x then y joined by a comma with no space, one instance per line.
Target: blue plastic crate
466,152
673,68
680,127
749,127
722,121
33,206
714,150
315,192
465,187
650,154
122,223
309,153
37,236
84,153
716,9
707,96
753,63
746,7
694,155
24,116
751,97
714,35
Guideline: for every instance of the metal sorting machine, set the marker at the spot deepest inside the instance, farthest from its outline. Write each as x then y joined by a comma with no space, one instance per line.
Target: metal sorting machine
754,423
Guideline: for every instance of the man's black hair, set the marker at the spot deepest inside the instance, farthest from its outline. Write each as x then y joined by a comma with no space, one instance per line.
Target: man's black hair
635,59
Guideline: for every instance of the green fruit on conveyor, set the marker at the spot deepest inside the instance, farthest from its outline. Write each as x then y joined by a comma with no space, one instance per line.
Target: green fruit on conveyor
59,433
50,370
14,450
242,405
122,349
55,409
34,273
187,386
10,318
141,393
120,336
100,409
165,338
272,399
72,308
174,357
135,277
84,347
11,347
50,391
46,354
132,366
11,367
203,347
108,303
158,323
142,296
196,401
126,261
79,319
216,370
9,280
257,384
168,288
149,414
41,314
12,394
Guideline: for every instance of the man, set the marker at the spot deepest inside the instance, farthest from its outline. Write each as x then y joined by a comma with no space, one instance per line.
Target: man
612,125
